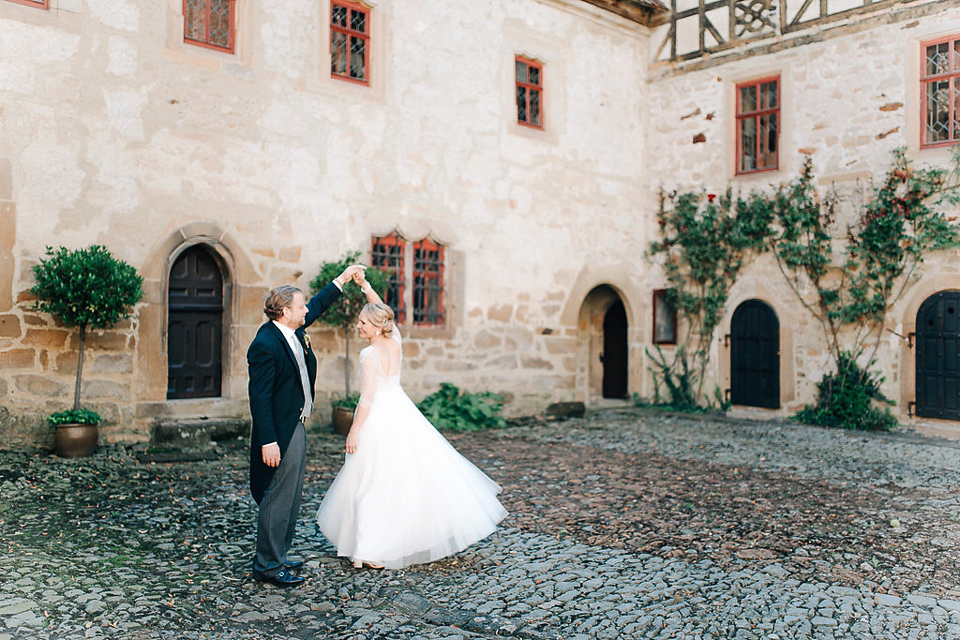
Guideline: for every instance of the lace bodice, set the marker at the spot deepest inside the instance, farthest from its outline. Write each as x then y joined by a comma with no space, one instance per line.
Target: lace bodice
377,372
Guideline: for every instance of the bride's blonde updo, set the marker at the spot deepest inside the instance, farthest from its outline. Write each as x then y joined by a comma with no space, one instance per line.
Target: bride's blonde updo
380,316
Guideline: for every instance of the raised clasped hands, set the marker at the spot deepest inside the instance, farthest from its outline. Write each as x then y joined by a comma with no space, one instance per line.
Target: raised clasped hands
360,279
350,273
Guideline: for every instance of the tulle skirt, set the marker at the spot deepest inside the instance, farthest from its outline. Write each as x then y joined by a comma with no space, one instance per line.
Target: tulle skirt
406,496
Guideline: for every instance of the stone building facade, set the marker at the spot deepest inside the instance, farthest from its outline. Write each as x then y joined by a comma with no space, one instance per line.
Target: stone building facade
850,78
237,145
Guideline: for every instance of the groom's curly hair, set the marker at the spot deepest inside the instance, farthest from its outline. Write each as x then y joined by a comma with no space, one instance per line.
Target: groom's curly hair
278,299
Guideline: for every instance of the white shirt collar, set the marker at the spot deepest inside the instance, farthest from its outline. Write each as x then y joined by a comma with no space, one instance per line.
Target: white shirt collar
287,332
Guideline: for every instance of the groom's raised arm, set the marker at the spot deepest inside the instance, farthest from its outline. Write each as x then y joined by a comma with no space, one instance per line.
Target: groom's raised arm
329,294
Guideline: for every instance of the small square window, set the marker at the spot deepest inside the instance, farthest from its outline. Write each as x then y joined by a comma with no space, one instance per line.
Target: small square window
209,23
758,126
350,42
529,92
664,318
940,92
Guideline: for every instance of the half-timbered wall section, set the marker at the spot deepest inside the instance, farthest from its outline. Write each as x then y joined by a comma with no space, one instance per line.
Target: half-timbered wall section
701,33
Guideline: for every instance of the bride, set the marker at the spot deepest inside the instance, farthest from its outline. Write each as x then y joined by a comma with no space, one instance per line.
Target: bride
404,495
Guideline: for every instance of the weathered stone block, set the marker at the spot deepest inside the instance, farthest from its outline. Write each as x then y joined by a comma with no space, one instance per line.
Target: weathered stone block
190,433
35,320
487,340
113,363
40,386
66,362
18,359
10,326
102,340
100,389
46,338
535,363
500,313
566,410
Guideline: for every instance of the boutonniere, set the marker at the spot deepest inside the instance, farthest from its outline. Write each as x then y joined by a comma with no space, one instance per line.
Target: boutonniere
306,340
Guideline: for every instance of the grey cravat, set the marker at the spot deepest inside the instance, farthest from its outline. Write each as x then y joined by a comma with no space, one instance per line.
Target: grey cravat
304,379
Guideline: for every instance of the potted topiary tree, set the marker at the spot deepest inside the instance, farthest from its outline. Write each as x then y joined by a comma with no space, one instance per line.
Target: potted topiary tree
84,288
343,314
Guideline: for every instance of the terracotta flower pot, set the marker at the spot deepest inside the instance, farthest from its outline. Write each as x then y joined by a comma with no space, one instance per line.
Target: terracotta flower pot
76,440
342,419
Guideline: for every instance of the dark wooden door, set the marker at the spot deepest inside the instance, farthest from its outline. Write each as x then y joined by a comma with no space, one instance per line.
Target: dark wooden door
615,351
195,326
755,356
938,357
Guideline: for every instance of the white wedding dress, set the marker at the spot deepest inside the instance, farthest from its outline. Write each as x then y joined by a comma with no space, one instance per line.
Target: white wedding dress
406,496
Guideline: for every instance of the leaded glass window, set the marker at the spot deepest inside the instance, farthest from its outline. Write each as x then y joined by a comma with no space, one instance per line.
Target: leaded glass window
427,283
209,23
419,288
758,125
349,42
387,255
529,92
940,80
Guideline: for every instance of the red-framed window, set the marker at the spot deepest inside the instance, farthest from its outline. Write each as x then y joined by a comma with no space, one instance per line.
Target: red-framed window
664,318
940,91
427,283
209,23
529,92
387,255
758,125
40,4
350,42
421,273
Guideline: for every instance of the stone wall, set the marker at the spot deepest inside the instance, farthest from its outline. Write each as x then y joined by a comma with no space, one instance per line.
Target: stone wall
117,132
847,102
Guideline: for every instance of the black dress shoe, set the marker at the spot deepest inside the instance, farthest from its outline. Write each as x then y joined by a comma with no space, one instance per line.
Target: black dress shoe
290,566
283,578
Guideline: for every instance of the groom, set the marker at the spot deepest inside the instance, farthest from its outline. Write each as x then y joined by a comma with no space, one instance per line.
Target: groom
282,371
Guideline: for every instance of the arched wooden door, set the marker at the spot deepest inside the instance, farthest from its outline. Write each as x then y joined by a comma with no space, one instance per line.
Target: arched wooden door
195,326
755,356
615,351
938,357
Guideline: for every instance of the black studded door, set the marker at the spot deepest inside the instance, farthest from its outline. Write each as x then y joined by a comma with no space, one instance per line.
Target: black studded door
755,356
195,326
938,373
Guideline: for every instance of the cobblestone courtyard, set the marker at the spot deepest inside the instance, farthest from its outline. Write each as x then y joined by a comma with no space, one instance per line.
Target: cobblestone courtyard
624,524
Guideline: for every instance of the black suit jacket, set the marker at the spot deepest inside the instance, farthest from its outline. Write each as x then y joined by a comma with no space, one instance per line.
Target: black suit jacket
276,394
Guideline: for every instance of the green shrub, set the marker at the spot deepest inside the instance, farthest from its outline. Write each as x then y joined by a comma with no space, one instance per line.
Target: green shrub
74,416
453,410
85,288
348,402
845,399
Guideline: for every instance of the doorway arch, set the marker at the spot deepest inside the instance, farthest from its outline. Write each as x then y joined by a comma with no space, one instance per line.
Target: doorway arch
938,350
615,356
755,356
195,325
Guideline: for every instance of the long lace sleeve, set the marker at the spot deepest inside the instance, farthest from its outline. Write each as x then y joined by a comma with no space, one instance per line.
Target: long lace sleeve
369,362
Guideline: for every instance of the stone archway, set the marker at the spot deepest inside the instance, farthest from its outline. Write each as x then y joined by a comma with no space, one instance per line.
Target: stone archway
603,327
